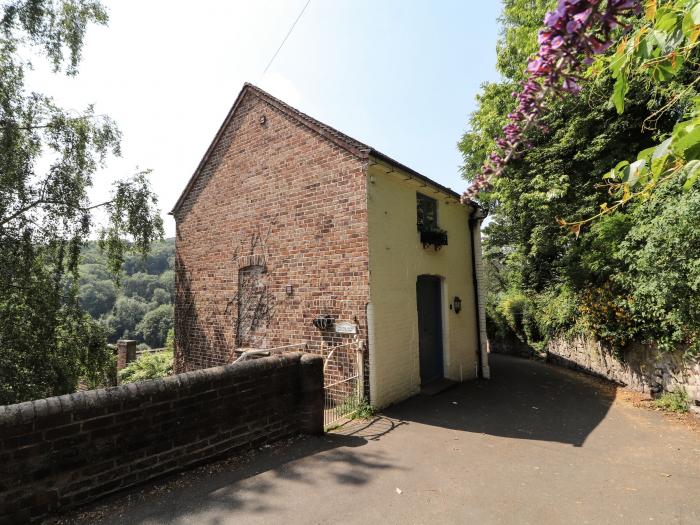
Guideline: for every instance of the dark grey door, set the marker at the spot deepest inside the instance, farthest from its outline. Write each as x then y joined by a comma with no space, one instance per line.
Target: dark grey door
429,299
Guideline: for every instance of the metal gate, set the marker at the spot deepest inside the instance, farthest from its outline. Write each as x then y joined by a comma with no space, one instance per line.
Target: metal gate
343,382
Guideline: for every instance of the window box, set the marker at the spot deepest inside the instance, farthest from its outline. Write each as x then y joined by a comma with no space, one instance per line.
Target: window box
436,238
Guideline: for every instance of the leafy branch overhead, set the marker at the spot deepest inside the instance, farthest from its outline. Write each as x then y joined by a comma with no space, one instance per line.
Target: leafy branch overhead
659,49
574,32
631,276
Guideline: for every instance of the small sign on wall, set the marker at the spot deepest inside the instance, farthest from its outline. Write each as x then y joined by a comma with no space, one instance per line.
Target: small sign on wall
344,327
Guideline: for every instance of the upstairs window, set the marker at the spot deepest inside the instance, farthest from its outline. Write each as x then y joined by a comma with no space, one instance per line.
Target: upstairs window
430,232
427,213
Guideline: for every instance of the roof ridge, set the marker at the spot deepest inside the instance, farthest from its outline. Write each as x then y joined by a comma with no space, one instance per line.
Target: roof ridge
353,146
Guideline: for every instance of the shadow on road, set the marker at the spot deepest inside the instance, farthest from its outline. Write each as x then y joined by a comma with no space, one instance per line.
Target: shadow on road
208,492
524,399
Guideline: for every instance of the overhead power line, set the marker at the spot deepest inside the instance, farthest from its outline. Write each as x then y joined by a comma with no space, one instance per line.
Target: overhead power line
286,37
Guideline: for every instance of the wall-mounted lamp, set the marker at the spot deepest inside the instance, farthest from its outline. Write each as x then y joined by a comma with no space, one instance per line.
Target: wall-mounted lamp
324,322
289,289
457,303
262,120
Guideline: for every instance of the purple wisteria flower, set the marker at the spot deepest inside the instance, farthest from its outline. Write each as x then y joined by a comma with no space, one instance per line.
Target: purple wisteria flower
574,32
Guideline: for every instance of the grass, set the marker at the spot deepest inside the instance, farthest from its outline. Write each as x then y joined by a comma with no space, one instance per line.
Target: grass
364,410
355,410
677,401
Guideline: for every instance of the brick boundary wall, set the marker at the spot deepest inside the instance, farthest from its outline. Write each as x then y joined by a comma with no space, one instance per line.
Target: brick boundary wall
61,452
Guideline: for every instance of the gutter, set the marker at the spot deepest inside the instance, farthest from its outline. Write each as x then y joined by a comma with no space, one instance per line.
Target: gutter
475,219
378,155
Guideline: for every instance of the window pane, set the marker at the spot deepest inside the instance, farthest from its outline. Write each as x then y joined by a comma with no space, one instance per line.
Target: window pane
427,212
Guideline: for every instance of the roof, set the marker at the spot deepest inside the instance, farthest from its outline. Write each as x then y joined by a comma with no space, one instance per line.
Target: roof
357,148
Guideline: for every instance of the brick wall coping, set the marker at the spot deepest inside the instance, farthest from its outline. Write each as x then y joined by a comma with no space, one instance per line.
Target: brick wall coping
86,400
64,451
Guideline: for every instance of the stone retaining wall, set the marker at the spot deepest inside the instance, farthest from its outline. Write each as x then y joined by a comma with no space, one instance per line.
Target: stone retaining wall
644,369
64,451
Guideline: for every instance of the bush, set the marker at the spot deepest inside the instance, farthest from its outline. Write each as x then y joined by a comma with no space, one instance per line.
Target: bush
677,401
555,311
148,366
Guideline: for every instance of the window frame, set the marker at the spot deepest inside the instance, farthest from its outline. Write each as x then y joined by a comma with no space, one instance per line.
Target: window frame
434,225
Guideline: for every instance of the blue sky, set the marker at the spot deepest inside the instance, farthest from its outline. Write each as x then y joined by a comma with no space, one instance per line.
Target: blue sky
400,76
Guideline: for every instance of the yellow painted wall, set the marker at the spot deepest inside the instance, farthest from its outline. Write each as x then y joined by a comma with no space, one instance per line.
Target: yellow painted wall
396,259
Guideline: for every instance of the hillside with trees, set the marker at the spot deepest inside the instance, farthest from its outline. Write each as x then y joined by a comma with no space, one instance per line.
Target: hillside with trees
138,306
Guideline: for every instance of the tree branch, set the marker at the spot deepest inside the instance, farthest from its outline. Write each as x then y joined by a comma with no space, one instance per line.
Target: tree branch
39,202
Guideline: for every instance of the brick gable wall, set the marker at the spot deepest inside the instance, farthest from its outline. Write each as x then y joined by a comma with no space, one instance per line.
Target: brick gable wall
278,195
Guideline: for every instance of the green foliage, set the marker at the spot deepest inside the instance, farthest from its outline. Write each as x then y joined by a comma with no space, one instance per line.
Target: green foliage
555,310
140,285
519,20
155,325
97,297
159,260
122,321
662,52
160,297
170,340
676,401
364,410
513,307
661,256
120,308
149,366
48,158
132,213
356,409
77,342
629,276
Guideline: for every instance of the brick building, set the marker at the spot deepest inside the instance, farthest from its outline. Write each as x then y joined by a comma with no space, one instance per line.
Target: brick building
292,232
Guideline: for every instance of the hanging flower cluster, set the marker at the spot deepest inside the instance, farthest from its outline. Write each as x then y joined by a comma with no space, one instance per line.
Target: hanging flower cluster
574,32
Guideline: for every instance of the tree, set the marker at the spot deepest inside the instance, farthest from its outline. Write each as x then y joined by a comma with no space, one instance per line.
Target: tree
158,260
97,297
140,285
48,158
155,325
126,314
544,282
573,37
160,297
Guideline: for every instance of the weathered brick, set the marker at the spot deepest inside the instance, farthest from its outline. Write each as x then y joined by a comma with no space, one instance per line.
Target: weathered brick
282,196
93,456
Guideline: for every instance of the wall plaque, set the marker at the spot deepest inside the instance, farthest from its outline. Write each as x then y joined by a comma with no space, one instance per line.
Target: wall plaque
344,327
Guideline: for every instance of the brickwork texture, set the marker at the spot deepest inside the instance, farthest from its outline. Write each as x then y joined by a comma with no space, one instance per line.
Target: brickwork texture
61,452
271,193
